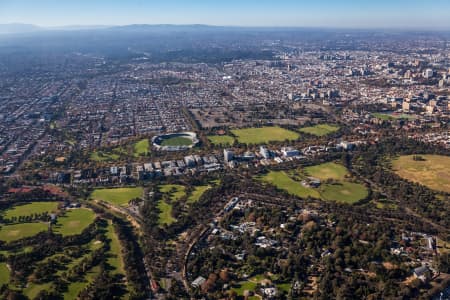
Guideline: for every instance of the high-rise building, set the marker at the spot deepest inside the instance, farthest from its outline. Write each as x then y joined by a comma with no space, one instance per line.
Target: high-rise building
228,155
428,73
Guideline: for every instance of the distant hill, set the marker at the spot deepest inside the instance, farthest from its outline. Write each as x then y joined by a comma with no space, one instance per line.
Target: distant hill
78,27
132,28
164,27
18,28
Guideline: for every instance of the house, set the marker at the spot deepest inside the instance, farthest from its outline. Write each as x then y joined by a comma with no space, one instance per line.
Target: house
314,182
240,256
53,218
269,292
154,286
311,182
431,243
198,281
265,242
325,253
114,170
423,273
347,145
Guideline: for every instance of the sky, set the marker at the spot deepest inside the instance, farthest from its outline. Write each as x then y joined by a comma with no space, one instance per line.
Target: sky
301,13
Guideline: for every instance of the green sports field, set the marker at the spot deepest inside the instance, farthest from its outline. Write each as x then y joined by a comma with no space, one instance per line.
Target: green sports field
389,117
264,135
29,209
9,233
327,171
117,196
177,141
283,181
320,130
433,171
221,140
344,192
74,221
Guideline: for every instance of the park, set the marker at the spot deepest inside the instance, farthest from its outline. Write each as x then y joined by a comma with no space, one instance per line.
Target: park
334,183
432,171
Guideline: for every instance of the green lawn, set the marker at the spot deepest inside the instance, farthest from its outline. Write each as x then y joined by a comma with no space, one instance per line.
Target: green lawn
385,204
33,289
175,192
389,117
325,171
115,258
177,141
76,287
384,117
165,217
285,287
6,253
118,196
345,192
30,209
221,140
264,135
281,180
197,193
9,233
320,130
243,286
433,171
74,221
4,274
142,147
341,190
100,156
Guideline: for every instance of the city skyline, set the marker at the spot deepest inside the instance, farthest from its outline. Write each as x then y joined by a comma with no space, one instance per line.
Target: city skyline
285,13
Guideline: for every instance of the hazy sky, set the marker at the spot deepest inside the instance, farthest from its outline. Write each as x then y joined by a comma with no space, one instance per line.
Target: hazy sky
311,13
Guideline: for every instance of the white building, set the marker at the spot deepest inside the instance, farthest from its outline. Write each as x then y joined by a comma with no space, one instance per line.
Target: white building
428,73
228,155
290,152
148,167
189,160
113,170
264,152
198,281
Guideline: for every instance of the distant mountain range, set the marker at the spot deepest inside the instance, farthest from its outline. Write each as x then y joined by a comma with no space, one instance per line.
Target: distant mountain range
15,28
18,28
